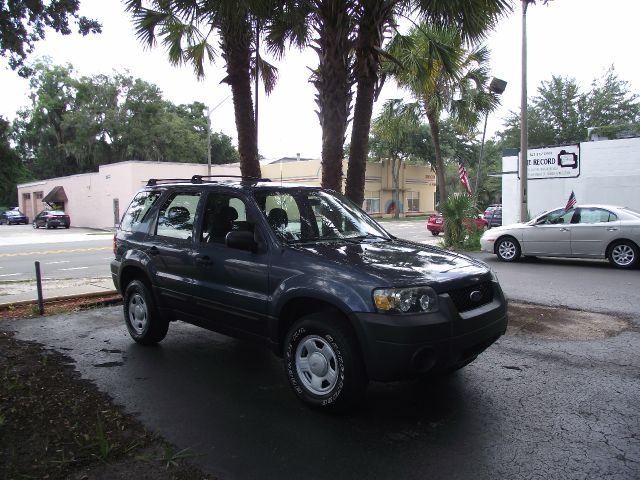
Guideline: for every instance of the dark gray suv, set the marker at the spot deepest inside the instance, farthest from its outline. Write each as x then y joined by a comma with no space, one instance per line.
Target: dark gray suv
306,272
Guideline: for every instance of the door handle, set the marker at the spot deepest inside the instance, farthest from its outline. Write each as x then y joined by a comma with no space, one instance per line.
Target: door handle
153,251
611,229
564,229
203,260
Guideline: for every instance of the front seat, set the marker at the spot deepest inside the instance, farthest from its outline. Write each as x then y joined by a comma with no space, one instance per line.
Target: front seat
221,224
278,219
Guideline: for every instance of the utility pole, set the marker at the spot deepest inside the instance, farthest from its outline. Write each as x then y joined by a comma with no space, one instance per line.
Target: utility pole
524,138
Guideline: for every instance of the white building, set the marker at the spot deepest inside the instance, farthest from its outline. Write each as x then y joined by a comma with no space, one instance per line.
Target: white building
606,172
98,199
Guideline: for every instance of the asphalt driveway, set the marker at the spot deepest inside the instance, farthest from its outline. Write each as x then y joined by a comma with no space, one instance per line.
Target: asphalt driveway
527,408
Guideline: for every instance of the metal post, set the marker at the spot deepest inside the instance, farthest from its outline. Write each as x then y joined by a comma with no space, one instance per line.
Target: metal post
39,287
208,142
523,119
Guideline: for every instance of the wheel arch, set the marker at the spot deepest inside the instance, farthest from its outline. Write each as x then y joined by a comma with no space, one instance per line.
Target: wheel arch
298,307
130,273
502,237
613,243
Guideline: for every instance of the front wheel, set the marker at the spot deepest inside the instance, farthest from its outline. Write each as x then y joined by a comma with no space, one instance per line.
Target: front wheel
624,255
323,363
508,249
34,225
145,324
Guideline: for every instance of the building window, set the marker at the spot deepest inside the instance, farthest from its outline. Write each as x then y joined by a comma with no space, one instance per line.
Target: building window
371,202
413,201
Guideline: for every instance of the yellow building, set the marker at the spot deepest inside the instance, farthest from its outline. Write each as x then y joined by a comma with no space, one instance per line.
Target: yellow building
417,184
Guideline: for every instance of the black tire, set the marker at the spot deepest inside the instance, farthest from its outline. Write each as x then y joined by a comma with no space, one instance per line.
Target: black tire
435,234
66,226
624,254
339,380
508,249
35,225
144,322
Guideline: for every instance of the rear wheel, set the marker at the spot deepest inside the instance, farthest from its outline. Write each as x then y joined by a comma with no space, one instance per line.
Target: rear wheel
434,233
624,254
508,249
323,362
145,324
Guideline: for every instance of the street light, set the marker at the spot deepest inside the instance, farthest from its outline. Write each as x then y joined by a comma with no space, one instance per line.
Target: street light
496,86
208,111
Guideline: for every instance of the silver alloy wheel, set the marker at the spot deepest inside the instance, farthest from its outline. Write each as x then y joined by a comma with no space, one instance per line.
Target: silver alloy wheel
316,365
507,249
623,255
138,313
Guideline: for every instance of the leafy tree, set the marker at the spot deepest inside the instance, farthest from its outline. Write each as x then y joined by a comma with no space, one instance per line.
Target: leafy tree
186,26
75,125
397,132
443,76
560,113
222,150
12,170
24,22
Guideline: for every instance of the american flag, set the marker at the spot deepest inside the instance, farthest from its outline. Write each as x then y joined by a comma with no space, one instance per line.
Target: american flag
571,202
464,179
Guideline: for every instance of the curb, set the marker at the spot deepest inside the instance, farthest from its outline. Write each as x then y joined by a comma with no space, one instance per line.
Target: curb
6,306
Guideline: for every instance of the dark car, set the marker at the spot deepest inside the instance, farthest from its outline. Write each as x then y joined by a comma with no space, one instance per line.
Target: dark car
435,224
309,274
13,217
51,219
494,219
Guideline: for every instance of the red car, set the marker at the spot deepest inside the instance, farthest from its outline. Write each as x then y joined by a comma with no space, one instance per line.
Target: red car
435,224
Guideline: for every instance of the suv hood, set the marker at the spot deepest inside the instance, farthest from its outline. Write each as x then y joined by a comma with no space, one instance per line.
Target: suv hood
401,263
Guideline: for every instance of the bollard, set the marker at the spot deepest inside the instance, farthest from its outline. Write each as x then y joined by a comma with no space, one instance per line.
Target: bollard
39,286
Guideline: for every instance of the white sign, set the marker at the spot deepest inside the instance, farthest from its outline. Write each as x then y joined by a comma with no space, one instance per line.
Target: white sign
554,162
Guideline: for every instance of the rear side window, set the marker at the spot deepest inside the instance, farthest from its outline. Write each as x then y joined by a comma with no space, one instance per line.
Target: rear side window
138,209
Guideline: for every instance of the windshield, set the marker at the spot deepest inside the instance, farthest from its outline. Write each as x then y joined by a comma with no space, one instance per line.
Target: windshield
301,216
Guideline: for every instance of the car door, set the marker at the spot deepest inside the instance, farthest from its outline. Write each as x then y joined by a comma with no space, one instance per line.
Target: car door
550,235
594,229
230,285
169,247
40,218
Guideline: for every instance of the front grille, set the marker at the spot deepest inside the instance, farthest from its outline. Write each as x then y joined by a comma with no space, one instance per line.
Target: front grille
462,297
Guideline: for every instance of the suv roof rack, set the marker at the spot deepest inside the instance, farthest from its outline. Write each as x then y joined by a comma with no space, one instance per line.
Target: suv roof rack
199,179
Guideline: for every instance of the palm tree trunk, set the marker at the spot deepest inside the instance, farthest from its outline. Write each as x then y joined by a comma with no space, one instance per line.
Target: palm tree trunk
395,175
375,14
434,126
333,83
236,50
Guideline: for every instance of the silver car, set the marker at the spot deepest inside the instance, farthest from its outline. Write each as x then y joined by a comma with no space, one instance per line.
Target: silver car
585,231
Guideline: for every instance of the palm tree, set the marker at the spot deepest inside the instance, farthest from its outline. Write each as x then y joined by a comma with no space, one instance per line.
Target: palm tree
443,76
186,28
472,18
327,26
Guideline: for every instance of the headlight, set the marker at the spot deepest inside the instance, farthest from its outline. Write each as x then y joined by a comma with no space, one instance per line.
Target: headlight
405,300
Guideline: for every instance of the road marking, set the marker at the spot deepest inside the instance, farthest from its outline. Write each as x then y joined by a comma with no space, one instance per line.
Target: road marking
10,274
55,263
49,252
74,268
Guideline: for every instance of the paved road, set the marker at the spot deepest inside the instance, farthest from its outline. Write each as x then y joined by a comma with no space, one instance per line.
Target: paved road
526,409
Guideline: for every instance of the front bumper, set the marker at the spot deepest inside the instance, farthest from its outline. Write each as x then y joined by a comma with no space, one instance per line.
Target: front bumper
401,346
487,245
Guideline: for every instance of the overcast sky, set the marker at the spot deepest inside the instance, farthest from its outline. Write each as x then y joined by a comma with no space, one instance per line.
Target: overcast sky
575,38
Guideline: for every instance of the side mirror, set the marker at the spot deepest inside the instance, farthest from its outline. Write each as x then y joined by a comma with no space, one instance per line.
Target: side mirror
242,240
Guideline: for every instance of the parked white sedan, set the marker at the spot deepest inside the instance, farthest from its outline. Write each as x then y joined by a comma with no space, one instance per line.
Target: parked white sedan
585,231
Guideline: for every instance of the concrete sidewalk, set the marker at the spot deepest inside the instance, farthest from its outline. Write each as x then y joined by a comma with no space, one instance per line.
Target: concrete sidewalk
17,292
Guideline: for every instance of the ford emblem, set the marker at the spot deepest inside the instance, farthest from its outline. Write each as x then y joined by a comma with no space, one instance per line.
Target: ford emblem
475,296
